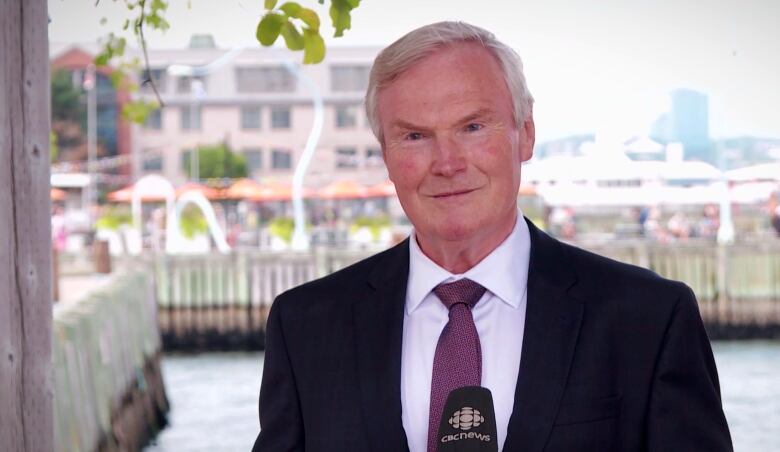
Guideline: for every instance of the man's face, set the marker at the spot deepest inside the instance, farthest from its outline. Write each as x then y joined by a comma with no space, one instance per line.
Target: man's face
452,147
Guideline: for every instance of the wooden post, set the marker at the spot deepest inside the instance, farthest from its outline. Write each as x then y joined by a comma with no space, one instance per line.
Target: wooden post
55,277
101,257
725,316
26,416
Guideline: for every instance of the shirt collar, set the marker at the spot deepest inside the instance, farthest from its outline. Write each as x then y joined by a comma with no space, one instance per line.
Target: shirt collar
509,286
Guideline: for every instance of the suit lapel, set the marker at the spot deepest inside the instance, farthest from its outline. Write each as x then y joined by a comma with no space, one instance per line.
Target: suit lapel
378,335
551,329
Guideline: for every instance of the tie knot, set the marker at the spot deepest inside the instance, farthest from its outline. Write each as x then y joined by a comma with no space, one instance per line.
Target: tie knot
461,291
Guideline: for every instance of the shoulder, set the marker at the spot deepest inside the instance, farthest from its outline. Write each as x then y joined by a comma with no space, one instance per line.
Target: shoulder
609,278
345,285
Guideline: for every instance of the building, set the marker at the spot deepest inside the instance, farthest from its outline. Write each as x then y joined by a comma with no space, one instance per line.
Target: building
252,100
687,122
113,134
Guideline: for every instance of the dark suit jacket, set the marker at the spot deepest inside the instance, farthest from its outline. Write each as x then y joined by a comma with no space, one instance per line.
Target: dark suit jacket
614,358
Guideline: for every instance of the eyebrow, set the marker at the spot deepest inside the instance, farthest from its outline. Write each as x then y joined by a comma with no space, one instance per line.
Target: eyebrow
401,124
472,116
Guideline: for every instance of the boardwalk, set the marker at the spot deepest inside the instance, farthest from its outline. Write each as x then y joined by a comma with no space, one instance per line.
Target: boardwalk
222,301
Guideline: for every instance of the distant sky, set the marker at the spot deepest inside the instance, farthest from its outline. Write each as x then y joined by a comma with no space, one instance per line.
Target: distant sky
600,66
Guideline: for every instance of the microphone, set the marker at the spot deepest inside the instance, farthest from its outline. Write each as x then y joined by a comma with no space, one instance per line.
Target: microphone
468,423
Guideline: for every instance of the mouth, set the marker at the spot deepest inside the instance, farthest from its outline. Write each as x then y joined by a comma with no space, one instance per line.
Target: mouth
452,194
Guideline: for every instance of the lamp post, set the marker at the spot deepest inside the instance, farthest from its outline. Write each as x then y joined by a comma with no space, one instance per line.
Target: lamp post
198,91
300,239
726,226
90,85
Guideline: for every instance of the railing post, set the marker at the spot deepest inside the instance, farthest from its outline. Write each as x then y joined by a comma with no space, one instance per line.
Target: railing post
642,254
321,261
723,284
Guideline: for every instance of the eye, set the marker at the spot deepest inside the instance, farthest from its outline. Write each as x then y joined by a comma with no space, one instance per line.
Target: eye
413,136
473,127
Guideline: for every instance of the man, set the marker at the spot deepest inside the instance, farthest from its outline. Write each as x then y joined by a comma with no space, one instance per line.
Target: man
580,353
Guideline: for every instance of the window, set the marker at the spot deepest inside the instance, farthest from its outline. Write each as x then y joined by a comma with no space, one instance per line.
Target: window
349,78
158,76
374,157
346,158
190,118
154,120
346,117
185,85
280,118
250,118
274,79
281,159
153,163
185,160
254,159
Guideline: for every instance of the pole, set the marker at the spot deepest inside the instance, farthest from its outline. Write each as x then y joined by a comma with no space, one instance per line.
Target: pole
726,227
300,239
26,383
90,84
194,159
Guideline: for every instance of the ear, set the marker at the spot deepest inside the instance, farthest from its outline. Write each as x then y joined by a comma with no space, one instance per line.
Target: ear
527,138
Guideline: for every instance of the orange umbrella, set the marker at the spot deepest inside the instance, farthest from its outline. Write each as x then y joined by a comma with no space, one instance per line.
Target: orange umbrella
57,195
126,195
208,192
281,192
343,189
253,191
243,189
386,188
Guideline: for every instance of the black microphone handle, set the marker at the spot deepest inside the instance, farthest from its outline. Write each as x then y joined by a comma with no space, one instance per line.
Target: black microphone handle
468,422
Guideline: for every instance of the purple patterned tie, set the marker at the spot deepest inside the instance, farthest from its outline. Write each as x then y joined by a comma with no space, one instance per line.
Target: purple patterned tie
458,359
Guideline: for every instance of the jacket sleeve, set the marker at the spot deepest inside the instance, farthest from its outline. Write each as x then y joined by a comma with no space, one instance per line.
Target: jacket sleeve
281,424
685,411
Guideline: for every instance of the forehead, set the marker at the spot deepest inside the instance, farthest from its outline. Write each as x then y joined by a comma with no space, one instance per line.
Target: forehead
457,77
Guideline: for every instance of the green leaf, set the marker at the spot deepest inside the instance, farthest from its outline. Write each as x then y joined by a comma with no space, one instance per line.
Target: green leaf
126,24
101,59
119,48
310,18
291,9
270,4
137,111
339,15
159,5
116,78
354,3
269,27
313,47
292,37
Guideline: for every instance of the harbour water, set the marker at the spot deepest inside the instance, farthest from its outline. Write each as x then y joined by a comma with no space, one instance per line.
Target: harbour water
214,398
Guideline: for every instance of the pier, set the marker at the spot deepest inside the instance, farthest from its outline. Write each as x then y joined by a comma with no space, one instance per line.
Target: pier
110,330
221,302
106,349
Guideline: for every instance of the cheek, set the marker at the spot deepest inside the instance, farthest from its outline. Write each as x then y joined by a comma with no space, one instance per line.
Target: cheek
406,171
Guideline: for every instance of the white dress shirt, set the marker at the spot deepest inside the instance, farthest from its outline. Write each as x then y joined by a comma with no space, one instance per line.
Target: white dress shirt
499,316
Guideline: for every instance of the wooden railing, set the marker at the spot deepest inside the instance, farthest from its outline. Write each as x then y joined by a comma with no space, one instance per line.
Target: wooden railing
222,301
737,286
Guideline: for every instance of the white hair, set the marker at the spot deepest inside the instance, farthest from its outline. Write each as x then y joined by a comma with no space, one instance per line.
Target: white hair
417,44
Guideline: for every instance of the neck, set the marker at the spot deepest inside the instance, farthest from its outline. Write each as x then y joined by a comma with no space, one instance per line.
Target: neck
459,256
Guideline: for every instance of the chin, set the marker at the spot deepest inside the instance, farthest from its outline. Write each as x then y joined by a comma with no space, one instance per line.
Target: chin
453,231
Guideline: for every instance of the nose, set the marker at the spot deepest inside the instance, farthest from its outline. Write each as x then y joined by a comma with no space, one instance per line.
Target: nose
449,157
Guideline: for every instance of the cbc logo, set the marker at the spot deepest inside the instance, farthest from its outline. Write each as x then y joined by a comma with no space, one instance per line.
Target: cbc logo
466,418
